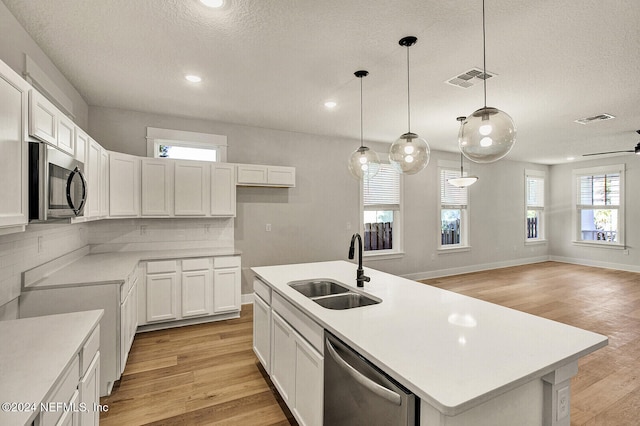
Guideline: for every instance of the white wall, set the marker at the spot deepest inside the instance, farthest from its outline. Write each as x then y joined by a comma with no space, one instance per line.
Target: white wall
561,247
21,252
15,42
311,221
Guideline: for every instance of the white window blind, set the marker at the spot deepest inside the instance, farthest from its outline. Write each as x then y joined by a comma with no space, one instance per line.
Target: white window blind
382,192
599,190
535,191
451,196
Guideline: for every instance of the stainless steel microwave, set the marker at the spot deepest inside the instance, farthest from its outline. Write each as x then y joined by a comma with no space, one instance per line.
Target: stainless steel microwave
57,188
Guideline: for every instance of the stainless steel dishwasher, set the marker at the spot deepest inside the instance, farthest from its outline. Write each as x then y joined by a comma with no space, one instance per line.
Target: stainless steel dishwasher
356,392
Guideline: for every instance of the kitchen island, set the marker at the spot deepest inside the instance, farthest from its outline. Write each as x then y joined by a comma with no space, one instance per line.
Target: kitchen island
468,361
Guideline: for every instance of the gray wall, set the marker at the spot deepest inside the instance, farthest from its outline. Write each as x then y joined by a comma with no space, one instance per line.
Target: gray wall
561,247
15,42
314,221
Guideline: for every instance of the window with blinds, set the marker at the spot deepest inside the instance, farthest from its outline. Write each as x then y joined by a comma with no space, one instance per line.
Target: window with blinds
599,204
534,204
452,196
381,206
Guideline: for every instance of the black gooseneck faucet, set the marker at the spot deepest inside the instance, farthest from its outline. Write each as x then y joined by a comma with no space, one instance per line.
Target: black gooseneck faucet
360,276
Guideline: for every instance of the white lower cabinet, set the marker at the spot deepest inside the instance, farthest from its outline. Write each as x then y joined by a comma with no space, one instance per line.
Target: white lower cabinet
190,289
296,366
262,332
89,388
128,322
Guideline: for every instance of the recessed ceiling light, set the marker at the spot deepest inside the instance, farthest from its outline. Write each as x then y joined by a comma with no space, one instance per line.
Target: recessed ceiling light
213,3
330,104
571,158
193,78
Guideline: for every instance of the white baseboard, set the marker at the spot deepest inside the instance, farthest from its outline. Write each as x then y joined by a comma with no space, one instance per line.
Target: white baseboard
247,299
596,263
474,268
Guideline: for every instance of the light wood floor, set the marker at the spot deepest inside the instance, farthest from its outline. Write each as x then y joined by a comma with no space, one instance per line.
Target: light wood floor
208,374
606,390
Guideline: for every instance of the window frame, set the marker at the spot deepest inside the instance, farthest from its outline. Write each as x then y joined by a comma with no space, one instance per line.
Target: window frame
577,208
156,137
465,243
542,238
398,222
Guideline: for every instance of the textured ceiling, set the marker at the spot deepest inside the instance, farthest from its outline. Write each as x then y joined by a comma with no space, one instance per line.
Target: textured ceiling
273,63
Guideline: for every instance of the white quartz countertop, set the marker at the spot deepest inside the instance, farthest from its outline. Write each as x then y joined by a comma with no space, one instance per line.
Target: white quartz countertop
33,355
453,351
113,267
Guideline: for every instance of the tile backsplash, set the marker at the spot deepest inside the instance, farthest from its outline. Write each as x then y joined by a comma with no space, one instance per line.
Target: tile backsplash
41,243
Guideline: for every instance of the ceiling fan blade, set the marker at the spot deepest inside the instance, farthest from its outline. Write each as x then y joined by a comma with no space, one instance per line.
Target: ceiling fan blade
603,153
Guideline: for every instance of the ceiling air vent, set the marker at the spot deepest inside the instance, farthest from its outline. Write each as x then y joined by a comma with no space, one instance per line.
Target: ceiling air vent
469,78
599,117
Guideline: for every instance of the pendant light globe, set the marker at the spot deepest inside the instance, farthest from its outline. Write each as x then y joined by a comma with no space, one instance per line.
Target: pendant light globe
409,153
363,162
487,135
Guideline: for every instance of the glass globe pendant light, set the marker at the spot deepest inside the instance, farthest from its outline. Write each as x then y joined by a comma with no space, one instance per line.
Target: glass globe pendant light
488,134
462,181
409,153
363,161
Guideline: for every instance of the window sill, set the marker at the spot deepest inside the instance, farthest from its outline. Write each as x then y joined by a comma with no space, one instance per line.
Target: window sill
457,249
382,256
534,242
596,244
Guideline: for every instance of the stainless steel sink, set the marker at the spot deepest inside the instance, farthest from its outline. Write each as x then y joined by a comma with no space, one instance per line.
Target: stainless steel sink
346,301
317,288
332,295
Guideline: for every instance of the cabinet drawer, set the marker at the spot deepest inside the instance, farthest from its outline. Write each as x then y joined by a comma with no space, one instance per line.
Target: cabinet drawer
163,266
88,351
262,290
304,325
196,264
226,262
63,393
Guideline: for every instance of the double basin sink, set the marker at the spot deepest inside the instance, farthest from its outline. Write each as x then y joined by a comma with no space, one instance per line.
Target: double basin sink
333,295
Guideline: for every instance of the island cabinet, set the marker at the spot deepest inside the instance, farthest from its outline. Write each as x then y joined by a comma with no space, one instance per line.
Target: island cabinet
14,167
187,291
289,346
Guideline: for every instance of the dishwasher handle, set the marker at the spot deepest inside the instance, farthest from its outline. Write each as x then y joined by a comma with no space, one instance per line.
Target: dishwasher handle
374,387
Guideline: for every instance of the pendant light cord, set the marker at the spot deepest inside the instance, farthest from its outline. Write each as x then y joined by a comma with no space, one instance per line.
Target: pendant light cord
361,131
408,95
484,56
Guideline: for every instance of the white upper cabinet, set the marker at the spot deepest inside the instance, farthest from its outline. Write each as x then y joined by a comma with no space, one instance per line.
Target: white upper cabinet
14,159
124,185
223,189
104,183
81,143
157,187
259,175
191,188
66,135
92,175
43,118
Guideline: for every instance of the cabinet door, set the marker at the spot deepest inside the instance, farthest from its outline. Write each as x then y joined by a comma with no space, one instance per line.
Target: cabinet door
283,358
71,417
124,185
66,135
223,190
43,120
197,288
90,393
281,176
161,297
262,331
14,159
81,144
191,188
226,290
93,174
309,383
249,174
104,182
157,187
128,324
